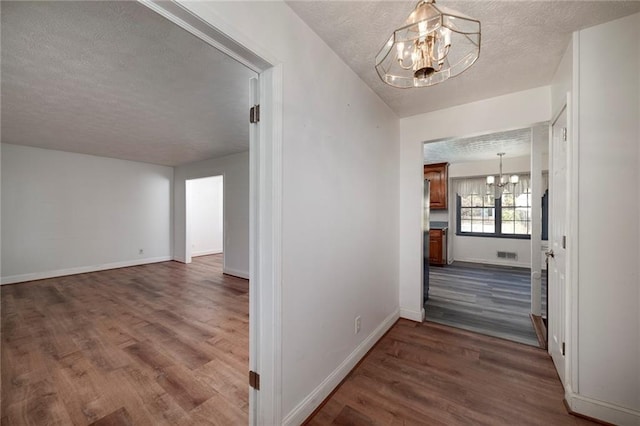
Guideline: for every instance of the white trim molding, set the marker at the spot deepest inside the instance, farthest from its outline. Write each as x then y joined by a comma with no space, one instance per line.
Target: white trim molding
13,279
601,410
236,273
206,253
516,264
304,409
417,316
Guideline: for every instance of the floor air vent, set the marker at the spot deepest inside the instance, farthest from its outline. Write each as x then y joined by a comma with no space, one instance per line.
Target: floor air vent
507,255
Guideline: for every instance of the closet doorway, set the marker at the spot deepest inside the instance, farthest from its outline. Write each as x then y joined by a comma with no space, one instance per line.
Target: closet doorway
205,216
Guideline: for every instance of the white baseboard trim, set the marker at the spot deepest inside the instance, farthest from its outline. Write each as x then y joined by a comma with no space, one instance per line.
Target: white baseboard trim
235,272
12,279
496,262
601,410
304,409
205,253
417,316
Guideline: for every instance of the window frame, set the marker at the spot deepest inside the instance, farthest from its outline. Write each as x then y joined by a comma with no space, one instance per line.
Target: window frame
498,223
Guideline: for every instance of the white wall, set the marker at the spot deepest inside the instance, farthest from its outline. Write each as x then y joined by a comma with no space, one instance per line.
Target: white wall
480,249
516,110
235,171
204,210
608,209
562,82
65,213
339,203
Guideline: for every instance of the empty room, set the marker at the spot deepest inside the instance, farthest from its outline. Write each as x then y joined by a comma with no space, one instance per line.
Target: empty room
122,134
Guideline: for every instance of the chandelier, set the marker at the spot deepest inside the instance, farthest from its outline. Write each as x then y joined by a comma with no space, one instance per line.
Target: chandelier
503,180
433,45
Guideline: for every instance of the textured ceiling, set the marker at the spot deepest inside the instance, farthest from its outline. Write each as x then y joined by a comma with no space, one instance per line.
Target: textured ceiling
522,43
514,143
117,80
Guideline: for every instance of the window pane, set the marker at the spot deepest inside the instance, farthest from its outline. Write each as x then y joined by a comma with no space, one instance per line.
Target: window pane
476,201
507,199
489,213
521,227
508,227
465,226
476,213
522,200
465,213
476,226
489,200
508,213
465,201
522,213
489,226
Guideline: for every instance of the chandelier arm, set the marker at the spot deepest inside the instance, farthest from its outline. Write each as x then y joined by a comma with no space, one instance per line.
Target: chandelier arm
443,56
404,67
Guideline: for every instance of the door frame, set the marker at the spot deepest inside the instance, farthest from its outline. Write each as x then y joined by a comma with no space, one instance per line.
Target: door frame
265,158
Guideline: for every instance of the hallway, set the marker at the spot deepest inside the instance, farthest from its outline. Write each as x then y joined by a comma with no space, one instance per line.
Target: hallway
430,374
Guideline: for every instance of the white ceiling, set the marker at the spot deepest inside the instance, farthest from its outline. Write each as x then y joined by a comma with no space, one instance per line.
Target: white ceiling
522,43
117,80
514,143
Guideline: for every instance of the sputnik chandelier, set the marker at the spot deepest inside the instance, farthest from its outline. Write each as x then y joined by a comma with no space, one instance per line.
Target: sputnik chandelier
434,44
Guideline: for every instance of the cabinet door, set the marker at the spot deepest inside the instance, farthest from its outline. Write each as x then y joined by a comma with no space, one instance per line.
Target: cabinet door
435,247
438,176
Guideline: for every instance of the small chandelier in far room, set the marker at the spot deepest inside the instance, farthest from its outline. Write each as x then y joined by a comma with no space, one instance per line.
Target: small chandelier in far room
433,45
502,180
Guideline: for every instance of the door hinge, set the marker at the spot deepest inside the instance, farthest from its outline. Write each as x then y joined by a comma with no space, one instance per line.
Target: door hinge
254,380
563,349
564,241
564,134
254,114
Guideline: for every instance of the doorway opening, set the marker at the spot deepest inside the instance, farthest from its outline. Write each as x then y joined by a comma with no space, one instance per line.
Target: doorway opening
482,232
265,196
205,217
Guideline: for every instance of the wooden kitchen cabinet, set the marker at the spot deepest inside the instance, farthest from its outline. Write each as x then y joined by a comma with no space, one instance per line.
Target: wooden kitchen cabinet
438,247
438,175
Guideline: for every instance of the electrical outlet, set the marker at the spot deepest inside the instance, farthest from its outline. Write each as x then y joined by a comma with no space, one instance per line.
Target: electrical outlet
357,325
141,251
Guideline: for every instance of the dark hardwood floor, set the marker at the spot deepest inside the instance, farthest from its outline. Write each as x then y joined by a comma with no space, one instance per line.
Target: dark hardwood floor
431,374
158,344
488,299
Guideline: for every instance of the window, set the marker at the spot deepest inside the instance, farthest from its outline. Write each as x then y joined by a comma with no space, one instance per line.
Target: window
482,215
516,213
477,214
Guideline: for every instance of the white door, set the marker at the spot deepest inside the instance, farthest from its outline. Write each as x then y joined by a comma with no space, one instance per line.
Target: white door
558,231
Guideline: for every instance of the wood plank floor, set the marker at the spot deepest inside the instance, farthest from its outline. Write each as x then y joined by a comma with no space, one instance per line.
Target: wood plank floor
488,299
157,344
431,374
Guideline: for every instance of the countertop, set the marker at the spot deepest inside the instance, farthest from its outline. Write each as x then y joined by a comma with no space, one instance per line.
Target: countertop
438,225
